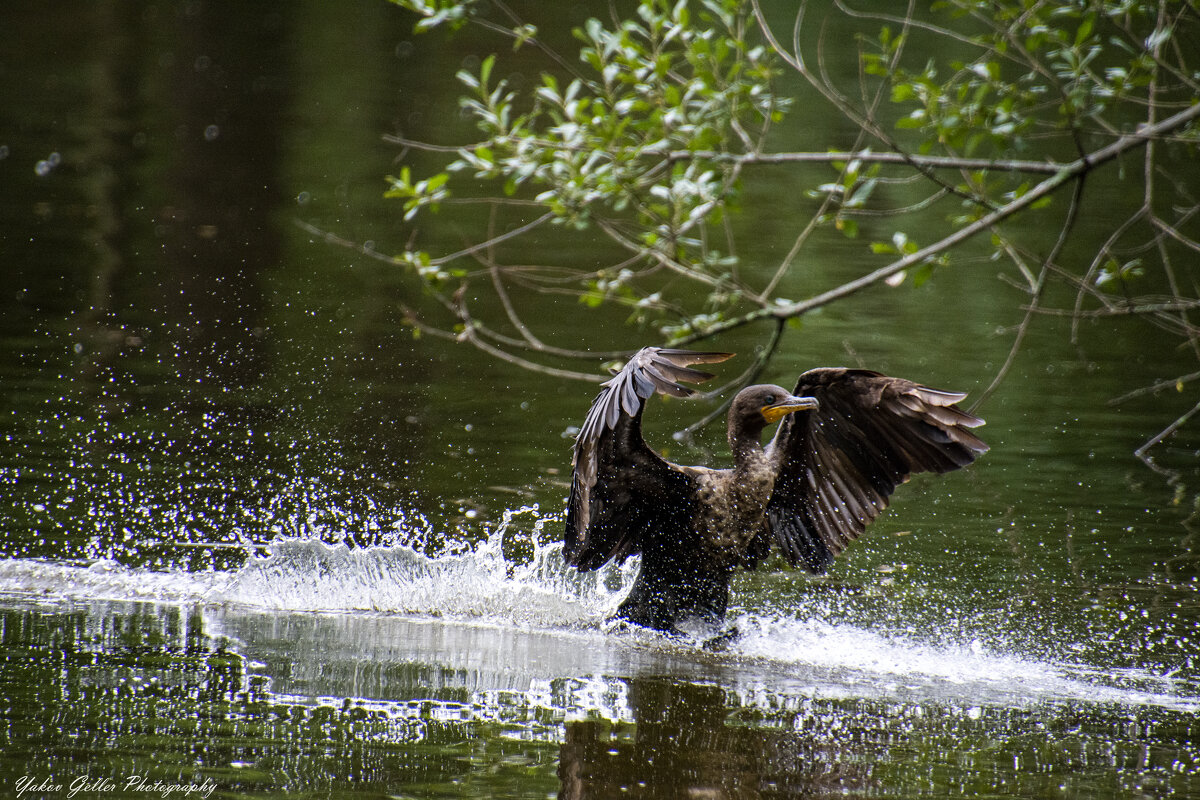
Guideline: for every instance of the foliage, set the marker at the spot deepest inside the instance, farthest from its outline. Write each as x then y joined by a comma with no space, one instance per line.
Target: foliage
644,140
988,109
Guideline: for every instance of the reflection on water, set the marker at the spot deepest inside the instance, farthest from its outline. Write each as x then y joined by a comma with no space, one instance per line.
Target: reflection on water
275,702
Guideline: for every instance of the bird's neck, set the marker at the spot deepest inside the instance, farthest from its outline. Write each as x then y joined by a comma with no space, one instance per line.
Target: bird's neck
746,447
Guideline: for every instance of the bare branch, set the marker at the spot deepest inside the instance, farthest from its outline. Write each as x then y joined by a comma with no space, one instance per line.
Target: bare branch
533,366
427,147
1173,383
1143,451
814,220
333,238
503,237
470,335
1036,290
1069,172
753,158
1130,309
865,122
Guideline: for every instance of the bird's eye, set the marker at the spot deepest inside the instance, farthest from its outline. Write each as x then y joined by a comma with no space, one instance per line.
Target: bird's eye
769,399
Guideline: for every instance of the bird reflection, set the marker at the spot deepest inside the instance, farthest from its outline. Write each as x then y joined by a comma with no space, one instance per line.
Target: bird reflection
686,741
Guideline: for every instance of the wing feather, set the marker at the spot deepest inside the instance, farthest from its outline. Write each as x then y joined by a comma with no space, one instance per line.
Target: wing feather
621,490
838,464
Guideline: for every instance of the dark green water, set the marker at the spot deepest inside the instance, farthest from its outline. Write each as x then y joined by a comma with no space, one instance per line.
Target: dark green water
259,539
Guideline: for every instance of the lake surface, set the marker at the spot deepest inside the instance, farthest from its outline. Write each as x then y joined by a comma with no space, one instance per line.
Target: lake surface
258,539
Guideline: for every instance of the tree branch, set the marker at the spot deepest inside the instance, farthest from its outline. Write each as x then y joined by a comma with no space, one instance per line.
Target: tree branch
1069,172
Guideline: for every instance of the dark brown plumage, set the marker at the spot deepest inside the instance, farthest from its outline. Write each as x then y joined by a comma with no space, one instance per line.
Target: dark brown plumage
848,437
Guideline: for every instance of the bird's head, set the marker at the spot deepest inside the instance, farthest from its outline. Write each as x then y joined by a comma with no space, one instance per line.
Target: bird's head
756,407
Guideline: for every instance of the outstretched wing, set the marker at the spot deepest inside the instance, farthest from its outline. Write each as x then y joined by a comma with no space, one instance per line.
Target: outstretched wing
621,490
838,464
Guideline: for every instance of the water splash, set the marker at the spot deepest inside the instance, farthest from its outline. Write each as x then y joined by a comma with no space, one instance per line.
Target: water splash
536,591
104,579
841,658
429,579
478,583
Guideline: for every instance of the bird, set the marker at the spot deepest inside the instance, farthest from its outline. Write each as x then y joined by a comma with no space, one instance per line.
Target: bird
846,439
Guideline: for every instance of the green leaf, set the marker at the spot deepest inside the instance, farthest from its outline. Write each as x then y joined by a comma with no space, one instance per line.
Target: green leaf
1084,30
485,69
922,273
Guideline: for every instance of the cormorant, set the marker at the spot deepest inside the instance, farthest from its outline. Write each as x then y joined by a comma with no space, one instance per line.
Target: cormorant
848,437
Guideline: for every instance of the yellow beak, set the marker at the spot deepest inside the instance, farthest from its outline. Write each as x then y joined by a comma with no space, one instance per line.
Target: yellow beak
790,405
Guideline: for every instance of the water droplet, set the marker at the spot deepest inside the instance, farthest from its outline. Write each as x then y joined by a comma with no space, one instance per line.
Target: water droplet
211,132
